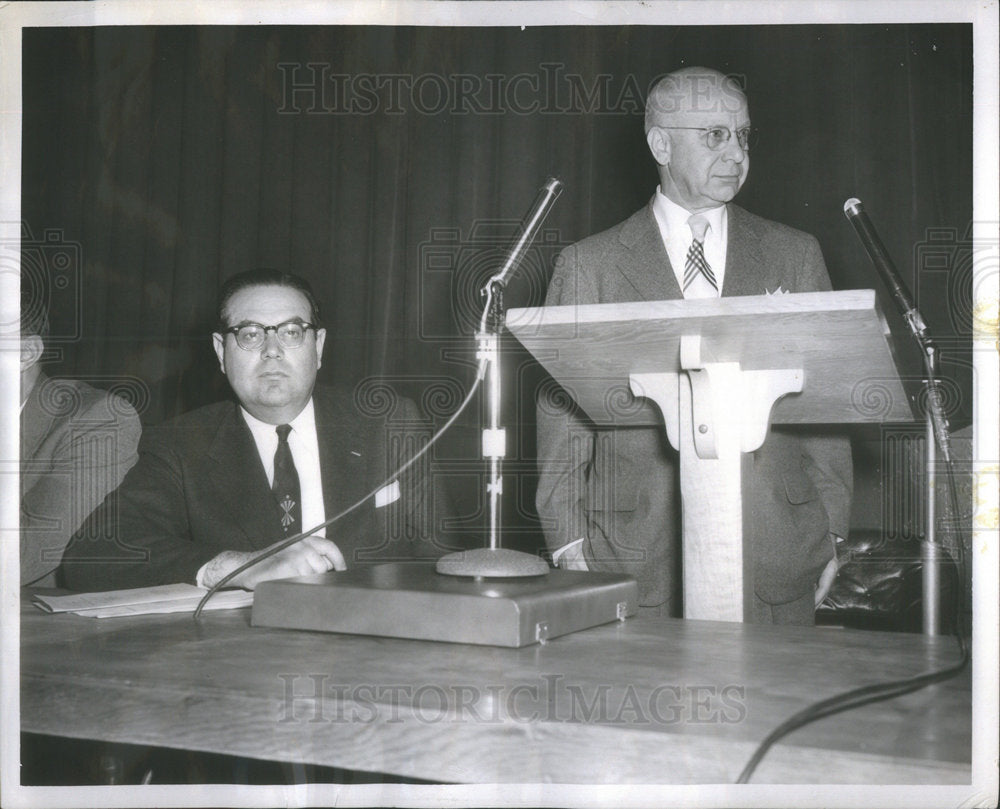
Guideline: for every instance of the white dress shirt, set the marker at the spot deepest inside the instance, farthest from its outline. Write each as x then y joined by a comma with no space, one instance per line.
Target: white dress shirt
672,221
304,444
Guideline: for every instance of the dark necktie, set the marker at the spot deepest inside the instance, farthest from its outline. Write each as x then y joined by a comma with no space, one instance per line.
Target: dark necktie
286,484
696,264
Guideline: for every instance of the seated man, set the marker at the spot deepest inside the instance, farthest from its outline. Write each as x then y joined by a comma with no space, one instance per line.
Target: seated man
609,499
77,443
216,486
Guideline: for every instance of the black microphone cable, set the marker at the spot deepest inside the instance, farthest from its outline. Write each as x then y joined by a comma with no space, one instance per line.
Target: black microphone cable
857,697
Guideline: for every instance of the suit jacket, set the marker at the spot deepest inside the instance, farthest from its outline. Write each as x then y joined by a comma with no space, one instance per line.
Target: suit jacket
619,488
77,443
200,488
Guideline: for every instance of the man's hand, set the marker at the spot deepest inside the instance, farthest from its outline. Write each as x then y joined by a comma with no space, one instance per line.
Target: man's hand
826,579
310,555
572,558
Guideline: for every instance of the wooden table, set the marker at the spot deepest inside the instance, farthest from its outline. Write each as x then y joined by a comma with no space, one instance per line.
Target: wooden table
648,701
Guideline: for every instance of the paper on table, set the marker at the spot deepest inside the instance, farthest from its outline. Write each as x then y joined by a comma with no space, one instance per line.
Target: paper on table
163,598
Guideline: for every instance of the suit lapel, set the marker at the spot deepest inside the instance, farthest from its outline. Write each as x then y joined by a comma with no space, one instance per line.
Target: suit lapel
645,266
342,448
240,481
745,268
644,261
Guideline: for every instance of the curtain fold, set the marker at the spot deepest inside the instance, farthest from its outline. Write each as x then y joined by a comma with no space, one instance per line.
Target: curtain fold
389,166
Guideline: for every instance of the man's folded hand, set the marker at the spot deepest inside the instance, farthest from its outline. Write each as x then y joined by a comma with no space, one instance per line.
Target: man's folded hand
310,555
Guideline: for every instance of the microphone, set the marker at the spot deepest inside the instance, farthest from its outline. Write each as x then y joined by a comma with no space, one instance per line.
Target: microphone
855,212
545,199
495,561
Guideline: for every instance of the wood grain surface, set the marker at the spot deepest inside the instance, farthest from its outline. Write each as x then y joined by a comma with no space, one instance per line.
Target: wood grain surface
839,340
650,700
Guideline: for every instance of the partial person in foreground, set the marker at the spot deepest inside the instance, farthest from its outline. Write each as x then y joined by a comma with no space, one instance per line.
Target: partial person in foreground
217,486
609,499
77,443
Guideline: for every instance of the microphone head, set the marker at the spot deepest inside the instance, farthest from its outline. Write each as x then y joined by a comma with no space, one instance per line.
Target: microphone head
552,185
852,207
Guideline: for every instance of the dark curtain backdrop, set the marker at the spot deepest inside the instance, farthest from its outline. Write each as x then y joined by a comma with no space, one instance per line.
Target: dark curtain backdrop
389,166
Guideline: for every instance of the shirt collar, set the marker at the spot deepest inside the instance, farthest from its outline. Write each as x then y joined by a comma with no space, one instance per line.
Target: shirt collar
303,423
672,218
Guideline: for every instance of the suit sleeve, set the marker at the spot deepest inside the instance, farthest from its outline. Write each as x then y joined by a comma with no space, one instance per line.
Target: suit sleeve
830,468
94,451
812,274
829,463
565,437
140,535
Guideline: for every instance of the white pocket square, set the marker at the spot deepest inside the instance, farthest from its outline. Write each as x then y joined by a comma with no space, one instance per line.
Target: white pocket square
387,494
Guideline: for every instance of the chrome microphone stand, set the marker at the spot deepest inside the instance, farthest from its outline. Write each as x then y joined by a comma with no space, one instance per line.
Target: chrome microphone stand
494,560
938,437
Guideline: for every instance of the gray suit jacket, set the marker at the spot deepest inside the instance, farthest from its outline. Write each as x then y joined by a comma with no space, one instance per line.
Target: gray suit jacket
619,488
77,443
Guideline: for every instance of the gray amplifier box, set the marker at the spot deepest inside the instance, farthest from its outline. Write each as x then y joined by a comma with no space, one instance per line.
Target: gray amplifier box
411,600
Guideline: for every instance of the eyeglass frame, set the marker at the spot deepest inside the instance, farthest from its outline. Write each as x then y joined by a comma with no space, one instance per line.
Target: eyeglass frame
235,330
751,131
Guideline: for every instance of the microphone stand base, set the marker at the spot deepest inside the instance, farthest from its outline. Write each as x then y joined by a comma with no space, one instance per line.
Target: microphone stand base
485,563
410,600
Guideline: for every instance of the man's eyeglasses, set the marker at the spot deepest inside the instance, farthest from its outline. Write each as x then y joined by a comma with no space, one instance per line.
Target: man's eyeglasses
716,137
251,336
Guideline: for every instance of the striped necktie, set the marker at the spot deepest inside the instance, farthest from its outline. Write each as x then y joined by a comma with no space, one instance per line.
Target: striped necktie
696,264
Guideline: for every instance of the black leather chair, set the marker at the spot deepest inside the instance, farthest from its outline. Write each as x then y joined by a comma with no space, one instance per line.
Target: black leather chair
879,585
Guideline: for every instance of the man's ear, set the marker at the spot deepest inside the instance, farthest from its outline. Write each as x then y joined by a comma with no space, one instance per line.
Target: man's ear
32,349
320,342
219,344
659,145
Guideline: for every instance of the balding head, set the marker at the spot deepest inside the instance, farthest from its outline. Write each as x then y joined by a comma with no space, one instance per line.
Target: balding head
697,91
696,119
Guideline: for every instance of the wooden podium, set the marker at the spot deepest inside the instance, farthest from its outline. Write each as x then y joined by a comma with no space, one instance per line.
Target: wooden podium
720,371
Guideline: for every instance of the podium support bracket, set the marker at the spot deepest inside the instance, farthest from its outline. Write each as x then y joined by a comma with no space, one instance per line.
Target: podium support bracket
715,413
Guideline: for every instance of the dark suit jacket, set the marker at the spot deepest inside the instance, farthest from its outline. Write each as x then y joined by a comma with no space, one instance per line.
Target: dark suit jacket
199,488
619,488
77,443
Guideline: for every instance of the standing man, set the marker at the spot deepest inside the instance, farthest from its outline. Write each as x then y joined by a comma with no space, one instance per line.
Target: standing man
77,443
609,498
216,486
